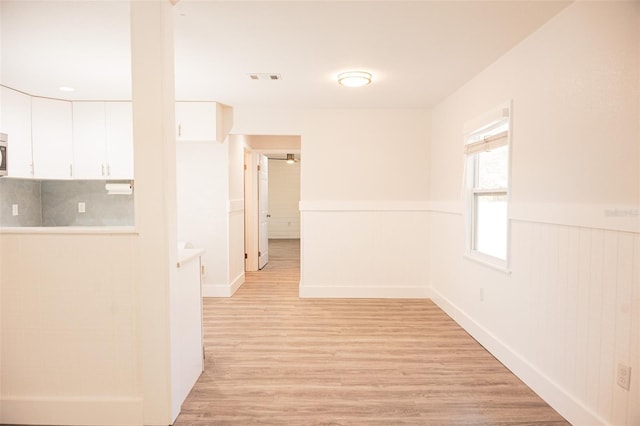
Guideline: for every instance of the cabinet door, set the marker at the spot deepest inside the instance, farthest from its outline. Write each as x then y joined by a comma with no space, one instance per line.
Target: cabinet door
15,121
89,156
52,138
119,120
196,121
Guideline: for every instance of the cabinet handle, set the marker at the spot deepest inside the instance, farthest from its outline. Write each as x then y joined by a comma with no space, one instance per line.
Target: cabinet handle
179,129
102,169
32,169
108,170
70,169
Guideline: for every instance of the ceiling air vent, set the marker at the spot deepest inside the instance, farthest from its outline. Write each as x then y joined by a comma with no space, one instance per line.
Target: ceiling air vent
265,76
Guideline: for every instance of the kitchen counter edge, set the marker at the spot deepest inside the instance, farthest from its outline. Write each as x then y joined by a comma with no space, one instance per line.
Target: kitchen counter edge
186,255
69,230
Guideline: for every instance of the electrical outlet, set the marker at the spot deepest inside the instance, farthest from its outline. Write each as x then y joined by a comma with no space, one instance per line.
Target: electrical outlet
14,209
624,376
82,208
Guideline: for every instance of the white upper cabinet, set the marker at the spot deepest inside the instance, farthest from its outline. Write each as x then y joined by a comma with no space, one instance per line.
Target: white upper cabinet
202,121
102,140
52,138
196,121
119,140
15,121
56,139
89,139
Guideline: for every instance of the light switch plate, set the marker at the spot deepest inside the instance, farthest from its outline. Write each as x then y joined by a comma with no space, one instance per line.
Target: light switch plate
14,209
81,207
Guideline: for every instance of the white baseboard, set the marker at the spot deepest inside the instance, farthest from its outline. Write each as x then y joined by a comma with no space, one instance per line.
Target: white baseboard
363,206
558,398
71,411
215,290
285,236
329,292
236,283
222,290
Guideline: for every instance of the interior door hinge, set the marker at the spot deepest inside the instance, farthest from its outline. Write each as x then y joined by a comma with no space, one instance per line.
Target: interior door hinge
258,167
245,167
259,254
246,256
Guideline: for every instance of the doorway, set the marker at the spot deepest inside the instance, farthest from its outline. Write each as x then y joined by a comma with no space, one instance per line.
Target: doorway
271,195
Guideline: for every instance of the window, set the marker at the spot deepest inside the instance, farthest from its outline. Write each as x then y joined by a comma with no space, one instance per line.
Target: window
487,187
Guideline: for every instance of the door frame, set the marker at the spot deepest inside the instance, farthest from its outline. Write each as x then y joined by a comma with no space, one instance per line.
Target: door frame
263,210
251,211
251,203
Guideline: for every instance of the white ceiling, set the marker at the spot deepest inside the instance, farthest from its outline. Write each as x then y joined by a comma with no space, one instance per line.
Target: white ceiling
418,51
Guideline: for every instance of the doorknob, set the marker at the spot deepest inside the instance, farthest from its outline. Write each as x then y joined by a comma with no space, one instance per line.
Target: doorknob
268,216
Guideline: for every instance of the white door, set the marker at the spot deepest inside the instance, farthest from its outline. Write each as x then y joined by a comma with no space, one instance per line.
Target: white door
263,202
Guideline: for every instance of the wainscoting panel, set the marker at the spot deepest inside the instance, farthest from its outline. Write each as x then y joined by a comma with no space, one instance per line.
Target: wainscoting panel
567,313
350,252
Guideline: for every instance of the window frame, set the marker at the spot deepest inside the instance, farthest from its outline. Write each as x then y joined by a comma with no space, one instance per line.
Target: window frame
485,124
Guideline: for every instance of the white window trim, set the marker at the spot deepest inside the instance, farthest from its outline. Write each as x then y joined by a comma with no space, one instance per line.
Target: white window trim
470,151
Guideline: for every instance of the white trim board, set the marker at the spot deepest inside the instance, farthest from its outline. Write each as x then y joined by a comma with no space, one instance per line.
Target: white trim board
353,292
569,407
625,218
68,410
223,290
362,206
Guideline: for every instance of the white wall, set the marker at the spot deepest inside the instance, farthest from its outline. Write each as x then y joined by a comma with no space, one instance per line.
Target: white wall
569,311
211,210
284,199
236,213
203,188
362,215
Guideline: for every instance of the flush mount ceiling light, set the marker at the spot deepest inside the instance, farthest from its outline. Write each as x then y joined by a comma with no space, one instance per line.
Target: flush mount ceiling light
291,159
66,89
354,78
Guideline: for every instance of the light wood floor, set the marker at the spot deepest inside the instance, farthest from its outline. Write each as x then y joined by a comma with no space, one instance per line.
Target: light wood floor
273,358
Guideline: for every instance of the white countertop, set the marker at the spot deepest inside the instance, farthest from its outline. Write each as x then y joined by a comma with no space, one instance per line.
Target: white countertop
68,230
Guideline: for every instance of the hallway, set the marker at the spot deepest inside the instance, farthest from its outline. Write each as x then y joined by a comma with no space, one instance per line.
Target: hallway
272,358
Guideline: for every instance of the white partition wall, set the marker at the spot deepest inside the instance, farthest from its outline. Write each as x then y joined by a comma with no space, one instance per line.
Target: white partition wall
86,313
70,332
155,201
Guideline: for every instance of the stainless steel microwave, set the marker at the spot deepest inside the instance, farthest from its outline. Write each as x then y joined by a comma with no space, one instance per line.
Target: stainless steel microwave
3,154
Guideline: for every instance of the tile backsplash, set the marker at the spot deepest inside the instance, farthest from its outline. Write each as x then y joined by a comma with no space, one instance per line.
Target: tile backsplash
55,203
25,194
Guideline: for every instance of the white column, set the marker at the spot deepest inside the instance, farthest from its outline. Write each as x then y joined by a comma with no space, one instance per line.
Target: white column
155,197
